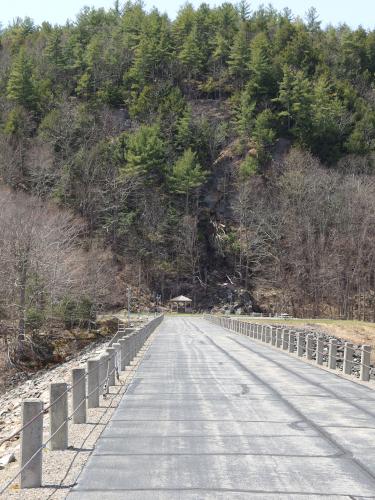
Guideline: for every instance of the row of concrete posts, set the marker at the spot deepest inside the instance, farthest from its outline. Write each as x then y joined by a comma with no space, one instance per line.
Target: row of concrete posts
310,346
88,385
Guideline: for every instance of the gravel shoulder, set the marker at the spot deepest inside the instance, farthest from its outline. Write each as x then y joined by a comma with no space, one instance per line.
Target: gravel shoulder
60,468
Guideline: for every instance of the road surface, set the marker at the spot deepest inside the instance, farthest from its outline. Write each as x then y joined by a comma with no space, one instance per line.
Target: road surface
213,415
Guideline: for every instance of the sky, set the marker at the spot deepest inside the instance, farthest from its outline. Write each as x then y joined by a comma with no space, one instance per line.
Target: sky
58,11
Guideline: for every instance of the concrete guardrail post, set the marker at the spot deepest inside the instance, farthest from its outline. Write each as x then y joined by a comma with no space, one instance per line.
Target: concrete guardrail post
93,389
136,343
79,395
285,337
309,346
133,343
103,371
130,353
273,335
123,358
348,358
292,338
279,337
263,334
300,344
111,351
117,347
332,353
319,350
128,333
365,363
31,442
58,420
269,334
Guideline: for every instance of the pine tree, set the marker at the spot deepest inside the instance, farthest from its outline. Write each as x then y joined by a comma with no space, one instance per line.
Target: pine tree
261,68
20,88
328,121
145,154
264,134
312,18
154,50
244,10
295,99
187,175
240,55
191,53
184,135
285,97
244,114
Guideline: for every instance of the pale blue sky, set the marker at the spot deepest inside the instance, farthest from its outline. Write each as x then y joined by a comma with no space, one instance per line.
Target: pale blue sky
57,11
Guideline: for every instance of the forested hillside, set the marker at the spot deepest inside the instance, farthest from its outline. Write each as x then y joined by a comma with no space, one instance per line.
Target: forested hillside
227,154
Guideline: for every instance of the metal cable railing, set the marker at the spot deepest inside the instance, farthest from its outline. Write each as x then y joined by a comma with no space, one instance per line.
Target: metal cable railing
45,410
136,340
268,335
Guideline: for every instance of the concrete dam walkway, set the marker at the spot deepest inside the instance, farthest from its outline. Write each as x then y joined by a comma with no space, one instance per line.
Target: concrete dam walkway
212,415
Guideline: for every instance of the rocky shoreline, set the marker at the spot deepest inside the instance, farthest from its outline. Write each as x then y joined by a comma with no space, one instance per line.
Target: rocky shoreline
37,386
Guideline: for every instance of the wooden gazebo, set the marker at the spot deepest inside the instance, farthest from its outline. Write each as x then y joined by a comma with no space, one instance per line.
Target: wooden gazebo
181,302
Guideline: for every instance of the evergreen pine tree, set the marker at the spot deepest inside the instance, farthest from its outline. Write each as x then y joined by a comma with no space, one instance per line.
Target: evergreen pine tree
187,175
20,88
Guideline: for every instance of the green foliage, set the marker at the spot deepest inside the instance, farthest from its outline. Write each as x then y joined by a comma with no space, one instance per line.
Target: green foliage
21,87
77,312
16,123
187,175
123,114
184,135
35,318
328,121
248,167
295,96
239,56
264,134
362,138
191,55
145,154
153,51
244,111
262,76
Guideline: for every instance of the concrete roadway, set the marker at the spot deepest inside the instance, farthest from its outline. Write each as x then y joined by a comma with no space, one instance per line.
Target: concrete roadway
214,415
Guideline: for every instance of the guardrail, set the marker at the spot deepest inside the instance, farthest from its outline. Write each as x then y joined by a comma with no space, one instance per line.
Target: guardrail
312,346
87,386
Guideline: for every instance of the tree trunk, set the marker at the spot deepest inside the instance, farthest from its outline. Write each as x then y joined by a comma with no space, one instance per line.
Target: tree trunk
22,305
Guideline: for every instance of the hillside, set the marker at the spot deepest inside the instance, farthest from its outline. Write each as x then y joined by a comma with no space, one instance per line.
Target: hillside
227,155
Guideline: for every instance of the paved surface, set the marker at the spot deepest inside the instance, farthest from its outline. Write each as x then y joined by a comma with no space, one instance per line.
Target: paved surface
213,415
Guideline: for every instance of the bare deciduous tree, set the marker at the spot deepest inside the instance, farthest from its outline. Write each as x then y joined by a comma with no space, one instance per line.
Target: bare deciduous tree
310,233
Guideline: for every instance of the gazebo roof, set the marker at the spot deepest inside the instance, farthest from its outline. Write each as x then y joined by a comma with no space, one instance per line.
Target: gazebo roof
181,298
